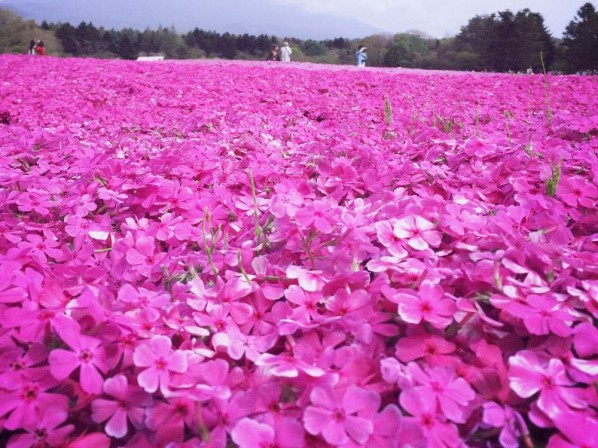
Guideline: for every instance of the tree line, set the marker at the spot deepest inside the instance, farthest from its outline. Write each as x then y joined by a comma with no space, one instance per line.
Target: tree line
499,42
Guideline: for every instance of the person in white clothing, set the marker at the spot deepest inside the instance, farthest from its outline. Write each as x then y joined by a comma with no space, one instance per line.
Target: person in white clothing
285,52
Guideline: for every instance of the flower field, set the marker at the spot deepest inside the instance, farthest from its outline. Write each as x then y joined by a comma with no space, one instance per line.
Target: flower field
228,254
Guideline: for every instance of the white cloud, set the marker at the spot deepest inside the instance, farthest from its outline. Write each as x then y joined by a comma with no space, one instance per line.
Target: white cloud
439,17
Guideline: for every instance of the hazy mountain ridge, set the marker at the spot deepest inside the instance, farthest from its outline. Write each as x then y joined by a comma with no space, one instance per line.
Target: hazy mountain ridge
248,16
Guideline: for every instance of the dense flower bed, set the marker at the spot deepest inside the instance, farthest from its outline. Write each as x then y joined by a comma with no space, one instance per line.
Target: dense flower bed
243,254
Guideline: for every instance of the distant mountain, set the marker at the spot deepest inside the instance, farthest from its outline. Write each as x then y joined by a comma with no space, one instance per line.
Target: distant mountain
235,16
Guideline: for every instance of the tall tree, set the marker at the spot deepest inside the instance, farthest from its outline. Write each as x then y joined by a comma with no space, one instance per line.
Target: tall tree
581,39
507,41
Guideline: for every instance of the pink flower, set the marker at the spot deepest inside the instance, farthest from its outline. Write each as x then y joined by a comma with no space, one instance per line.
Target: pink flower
87,353
9,292
579,431
418,231
585,339
160,362
41,247
143,257
36,200
393,430
438,433
423,346
529,375
441,384
385,230
287,366
307,302
248,433
169,419
24,402
310,281
510,422
343,302
44,430
576,191
543,314
427,305
319,214
129,403
286,203
344,419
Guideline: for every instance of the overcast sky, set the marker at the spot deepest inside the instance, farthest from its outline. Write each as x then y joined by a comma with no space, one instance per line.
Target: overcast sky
440,18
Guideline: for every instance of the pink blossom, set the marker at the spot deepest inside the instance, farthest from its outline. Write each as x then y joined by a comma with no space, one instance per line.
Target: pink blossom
423,346
511,424
309,280
427,305
169,419
385,231
418,231
438,432
529,375
307,302
441,384
287,366
128,404
87,353
579,431
318,214
339,421
249,433
45,430
576,191
160,361
41,247
24,402
143,257
543,314
391,429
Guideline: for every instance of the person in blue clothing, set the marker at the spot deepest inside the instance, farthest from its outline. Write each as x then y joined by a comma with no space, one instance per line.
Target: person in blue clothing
361,55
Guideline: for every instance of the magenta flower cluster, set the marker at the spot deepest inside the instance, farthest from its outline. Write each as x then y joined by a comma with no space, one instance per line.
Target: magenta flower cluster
224,254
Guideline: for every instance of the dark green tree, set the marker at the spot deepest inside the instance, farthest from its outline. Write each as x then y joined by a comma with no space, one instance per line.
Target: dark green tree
533,39
227,46
67,35
398,55
313,48
581,39
89,39
505,41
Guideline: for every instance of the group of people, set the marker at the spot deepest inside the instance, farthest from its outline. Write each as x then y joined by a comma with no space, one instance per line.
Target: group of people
282,54
37,48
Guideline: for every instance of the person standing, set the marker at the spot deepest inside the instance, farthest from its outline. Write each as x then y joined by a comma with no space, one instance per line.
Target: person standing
273,55
361,56
40,49
285,52
32,47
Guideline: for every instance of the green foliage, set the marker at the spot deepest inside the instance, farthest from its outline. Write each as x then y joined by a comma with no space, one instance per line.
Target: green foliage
15,34
314,48
581,39
387,110
552,181
505,41
398,55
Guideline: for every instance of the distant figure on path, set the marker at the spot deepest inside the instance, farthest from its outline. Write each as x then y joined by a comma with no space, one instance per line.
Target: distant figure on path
40,49
285,52
273,55
361,56
31,47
